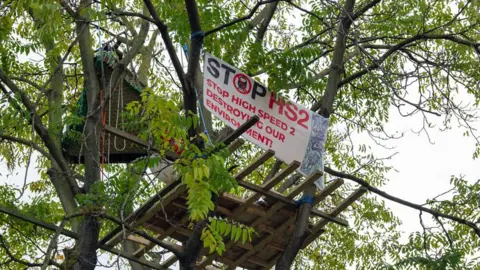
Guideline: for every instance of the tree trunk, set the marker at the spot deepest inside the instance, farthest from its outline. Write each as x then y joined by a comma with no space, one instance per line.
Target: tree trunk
296,242
55,99
90,227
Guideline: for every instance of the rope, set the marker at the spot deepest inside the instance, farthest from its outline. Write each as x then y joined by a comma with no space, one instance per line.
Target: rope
101,95
119,105
202,119
305,199
198,33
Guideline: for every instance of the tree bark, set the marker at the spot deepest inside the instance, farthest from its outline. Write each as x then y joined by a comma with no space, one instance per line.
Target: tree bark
295,243
90,227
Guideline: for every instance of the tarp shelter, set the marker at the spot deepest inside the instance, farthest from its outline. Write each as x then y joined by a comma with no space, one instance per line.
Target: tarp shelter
116,149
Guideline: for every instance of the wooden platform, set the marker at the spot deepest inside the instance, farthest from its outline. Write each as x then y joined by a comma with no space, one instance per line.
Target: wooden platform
166,215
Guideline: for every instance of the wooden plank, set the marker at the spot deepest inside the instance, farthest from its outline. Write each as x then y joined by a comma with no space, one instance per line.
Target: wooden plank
235,145
272,182
240,130
155,198
138,239
276,247
256,260
280,197
261,244
253,209
140,211
170,261
308,182
328,190
136,140
141,251
342,206
274,208
172,195
278,205
254,165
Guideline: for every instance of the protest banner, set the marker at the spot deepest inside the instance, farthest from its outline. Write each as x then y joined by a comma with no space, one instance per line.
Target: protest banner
288,128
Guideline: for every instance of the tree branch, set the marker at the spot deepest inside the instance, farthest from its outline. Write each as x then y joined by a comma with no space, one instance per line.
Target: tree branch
42,131
401,201
246,17
27,143
168,44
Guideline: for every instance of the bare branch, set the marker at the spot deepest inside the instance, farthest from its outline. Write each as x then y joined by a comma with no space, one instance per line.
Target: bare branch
241,19
383,194
168,44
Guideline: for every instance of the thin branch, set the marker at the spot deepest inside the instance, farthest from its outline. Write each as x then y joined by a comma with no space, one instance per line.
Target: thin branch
168,44
41,130
401,201
25,142
241,19
12,257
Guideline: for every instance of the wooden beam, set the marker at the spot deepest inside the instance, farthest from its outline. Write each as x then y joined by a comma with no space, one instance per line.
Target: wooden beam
274,208
278,205
141,251
254,165
308,182
140,211
235,145
138,239
342,206
167,199
170,261
256,260
260,244
240,130
74,235
280,197
272,182
328,190
136,140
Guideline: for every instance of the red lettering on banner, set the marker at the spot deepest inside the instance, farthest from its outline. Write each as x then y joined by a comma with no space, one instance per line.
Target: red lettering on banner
223,114
245,104
277,122
222,92
229,108
259,137
273,100
291,112
276,134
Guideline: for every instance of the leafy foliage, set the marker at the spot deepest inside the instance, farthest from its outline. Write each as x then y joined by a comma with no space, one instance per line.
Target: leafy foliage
219,228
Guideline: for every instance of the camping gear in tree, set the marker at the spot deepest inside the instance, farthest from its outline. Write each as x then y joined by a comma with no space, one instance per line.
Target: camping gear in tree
115,149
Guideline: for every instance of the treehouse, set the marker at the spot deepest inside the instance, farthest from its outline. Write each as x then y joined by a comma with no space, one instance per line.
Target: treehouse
166,216
116,149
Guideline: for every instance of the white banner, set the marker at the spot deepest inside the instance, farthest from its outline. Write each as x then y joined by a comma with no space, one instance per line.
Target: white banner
291,130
